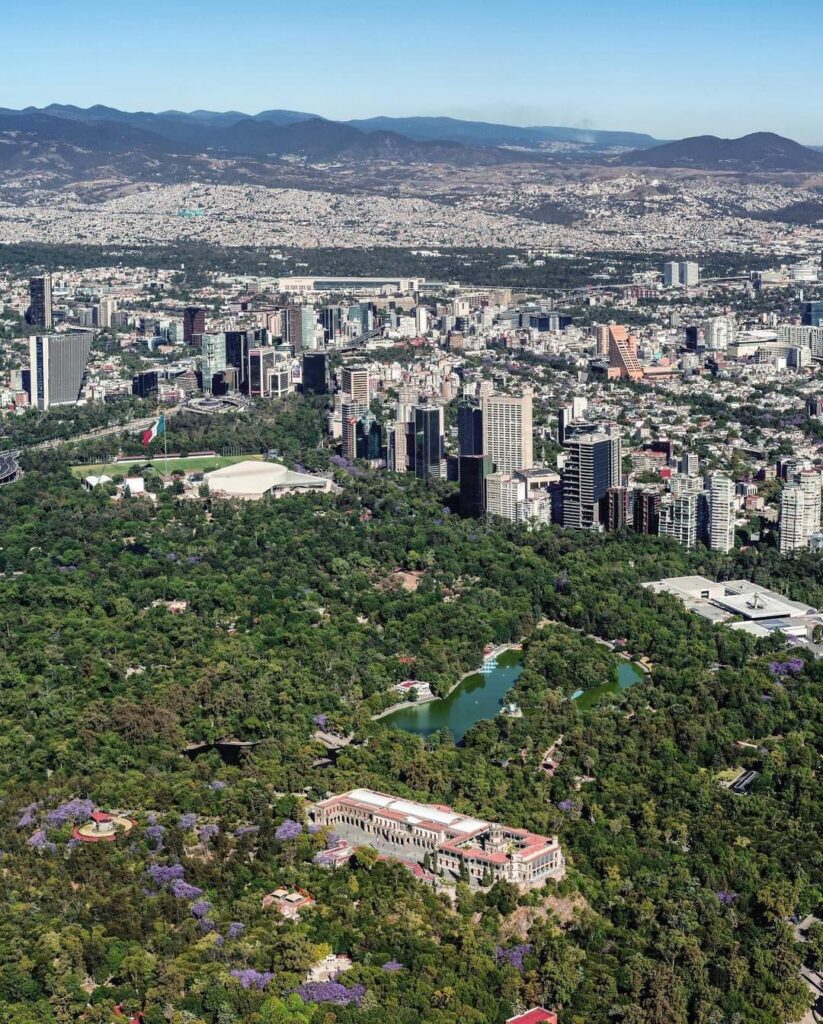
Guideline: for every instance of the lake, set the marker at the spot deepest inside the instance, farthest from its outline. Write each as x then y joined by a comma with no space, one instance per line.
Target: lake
627,675
477,697
480,695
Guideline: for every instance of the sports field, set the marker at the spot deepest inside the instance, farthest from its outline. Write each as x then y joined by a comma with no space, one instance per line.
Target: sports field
196,462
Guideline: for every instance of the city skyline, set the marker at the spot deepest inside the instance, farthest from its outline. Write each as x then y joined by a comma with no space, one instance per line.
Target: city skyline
638,69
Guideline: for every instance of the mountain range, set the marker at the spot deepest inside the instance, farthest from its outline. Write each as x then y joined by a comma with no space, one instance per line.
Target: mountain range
66,143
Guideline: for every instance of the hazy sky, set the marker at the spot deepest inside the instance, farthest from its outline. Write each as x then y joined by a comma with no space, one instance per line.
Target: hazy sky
724,67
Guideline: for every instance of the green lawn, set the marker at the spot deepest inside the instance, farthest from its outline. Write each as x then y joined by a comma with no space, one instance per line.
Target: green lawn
200,462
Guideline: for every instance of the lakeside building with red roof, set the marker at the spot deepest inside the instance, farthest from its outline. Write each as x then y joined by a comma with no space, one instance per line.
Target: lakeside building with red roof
454,842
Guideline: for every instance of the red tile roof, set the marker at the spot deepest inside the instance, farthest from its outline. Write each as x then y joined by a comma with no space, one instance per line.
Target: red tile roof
536,1016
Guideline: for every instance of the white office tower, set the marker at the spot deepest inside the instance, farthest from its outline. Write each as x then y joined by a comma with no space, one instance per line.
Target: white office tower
421,320
721,513
671,274
689,274
689,464
719,333
504,493
592,465
678,518
354,381
507,432
58,365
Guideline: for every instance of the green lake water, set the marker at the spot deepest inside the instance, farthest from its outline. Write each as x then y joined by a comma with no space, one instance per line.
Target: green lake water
627,675
479,696
476,698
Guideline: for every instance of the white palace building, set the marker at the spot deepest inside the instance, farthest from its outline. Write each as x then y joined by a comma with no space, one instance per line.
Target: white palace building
413,830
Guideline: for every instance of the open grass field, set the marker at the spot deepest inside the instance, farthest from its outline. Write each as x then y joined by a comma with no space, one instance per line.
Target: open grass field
197,462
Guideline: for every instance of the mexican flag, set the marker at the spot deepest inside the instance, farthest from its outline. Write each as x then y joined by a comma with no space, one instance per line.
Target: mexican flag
155,430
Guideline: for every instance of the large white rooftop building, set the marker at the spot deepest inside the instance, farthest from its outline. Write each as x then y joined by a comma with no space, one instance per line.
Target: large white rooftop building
455,842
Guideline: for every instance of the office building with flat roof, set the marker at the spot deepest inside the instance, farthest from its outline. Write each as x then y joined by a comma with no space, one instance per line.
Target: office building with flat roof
58,367
507,431
592,465
39,313
194,326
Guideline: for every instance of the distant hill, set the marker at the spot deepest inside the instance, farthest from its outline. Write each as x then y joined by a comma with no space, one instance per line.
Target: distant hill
482,133
760,151
70,144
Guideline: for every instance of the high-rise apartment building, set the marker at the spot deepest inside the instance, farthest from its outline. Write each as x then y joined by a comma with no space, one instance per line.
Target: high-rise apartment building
671,274
354,381
428,441
682,517
721,513
194,326
800,504
689,464
399,447
352,412
592,466
646,513
504,493
617,508
58,366
792,519
104,311
507,432
39,313
809,481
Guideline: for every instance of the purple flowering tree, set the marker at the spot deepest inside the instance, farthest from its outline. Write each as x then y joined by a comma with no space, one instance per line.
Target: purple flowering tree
249,978
288,830
392,965
726,897
70,811
200,909
182,890
514,956
236,929
331,992
187,821
165,874
208,832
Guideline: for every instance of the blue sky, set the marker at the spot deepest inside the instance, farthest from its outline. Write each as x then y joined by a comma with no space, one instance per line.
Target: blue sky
670,68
